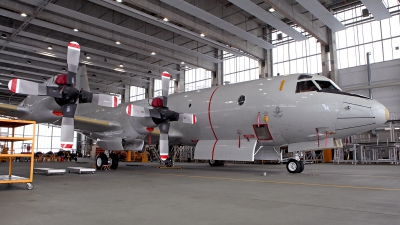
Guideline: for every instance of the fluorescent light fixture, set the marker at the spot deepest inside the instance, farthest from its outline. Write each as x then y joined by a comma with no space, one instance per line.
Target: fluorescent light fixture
24,15
153,53
271,10
119,0
165,19
76,30
377,8
119,69
117,42
48,54
49,47
121,65
202,35
87,56
182,63
319,11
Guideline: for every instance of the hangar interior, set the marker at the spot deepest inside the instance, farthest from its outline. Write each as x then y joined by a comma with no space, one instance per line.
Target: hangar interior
127,44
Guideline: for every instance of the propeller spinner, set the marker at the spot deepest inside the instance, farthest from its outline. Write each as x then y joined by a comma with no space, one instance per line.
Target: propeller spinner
65,94
161,115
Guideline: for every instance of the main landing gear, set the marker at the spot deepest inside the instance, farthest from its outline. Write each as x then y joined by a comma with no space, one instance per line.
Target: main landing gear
102,159
216,163
295,166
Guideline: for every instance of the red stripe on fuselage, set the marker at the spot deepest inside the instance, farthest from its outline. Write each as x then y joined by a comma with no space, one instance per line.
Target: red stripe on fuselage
209,120
209,112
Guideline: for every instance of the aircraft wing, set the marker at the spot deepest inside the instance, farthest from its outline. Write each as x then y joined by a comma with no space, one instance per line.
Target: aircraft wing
95,125
13,110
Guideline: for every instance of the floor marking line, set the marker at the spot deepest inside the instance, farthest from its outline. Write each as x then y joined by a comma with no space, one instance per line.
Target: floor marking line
283,182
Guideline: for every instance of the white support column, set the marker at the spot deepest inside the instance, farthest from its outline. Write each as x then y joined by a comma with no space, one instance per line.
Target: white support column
333,56
217,77
150,90
181,81
125,96
265,65
325,60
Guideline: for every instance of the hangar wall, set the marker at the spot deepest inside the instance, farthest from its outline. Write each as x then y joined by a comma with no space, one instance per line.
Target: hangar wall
383,72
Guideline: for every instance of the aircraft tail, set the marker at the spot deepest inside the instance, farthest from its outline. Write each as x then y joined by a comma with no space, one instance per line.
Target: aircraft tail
82,82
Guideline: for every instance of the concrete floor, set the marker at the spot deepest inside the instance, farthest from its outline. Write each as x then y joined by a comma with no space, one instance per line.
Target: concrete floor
199,194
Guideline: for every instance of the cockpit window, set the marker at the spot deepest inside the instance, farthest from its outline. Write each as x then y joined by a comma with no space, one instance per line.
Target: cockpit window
304,76
305,86
326,85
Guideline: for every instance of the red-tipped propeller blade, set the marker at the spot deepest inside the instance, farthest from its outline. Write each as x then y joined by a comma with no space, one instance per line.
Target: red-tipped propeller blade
67,126
74,50
165,77
99,99
187,118
164,145
139,111
32,88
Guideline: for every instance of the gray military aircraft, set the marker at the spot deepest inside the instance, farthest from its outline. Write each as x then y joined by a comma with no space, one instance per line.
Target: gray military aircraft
254,120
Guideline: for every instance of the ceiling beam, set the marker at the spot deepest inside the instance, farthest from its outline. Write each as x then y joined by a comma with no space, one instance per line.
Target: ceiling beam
128,43
305,20
166,25
218,22
268,18
126,31
216,34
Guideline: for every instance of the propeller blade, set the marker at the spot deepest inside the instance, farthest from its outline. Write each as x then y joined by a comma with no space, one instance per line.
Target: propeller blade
187,118
99,99
165,77
164,145
140,111
67,126
74,50
32,88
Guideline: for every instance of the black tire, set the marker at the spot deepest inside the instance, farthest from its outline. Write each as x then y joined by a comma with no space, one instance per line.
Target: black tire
293,166
101,159
301,162
216,162
114,161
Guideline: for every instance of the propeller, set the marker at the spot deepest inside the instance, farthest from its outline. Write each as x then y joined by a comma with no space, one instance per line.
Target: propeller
161,115
65,94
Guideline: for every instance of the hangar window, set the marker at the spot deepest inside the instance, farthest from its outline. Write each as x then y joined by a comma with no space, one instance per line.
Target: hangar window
305,86
241,100
326,85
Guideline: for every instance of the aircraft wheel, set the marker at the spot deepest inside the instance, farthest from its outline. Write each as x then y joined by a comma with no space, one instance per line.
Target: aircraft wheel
301,162
114,161
29,186
293,166
101,160
215,162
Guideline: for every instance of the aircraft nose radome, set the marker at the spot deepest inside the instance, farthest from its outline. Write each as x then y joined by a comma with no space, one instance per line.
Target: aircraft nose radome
357,115
381,113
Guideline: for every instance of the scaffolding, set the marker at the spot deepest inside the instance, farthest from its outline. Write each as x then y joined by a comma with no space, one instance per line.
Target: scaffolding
368,154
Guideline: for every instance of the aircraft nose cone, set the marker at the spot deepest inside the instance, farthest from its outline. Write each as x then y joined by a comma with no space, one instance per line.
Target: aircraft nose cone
357,115
381,113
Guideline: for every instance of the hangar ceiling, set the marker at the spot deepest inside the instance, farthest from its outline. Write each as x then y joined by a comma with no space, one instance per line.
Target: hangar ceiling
127,42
